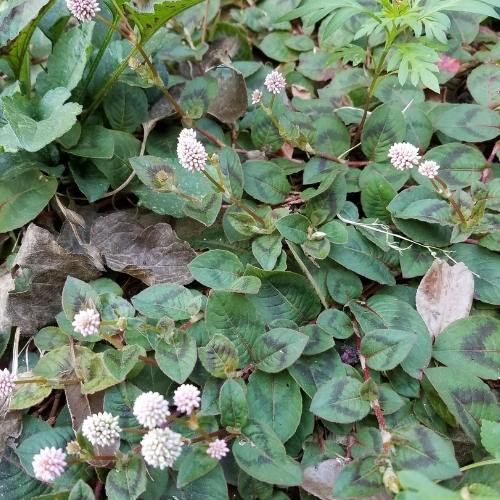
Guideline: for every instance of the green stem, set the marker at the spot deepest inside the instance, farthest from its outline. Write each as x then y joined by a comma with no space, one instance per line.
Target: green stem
97,59
309,276
492,461
234,200
449,197
105,89
371,89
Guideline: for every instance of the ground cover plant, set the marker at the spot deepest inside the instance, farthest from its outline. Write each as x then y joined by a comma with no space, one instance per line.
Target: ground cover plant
250,249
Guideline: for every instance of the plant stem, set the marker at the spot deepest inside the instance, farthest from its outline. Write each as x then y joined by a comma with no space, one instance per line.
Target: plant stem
309,276
205,21
95,62
492,461
234,200
449,197
373,84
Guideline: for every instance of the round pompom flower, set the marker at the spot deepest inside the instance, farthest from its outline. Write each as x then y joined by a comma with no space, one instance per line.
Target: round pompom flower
256,96
151,410
6,383
429,168
275,82
191,152
403,155
217,449
101,429
83,10
86,322
187,398
161,447
49,464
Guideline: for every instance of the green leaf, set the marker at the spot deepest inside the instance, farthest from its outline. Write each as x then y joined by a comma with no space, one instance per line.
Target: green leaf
335,232
376,194
235,317
469,122
471,344
120,363
264,133
359,478
95,142
419,448
466,397
78,295
343,285
81,491
284,295
460,164
312,372
222,270
274,46
275,400
173,301
126,107
277,349
332,136
127,480
90,181
260,453
31,445
483,83
67,61
204,209
265,181
422,232
485,265
219,357
177,356
336,323
339,400
386,349
32,124
50,337
233,404
267,249
293,227
23,197
490,437
384,127
193,464
197,96
232,171
28,395
211,486
362,257
149,22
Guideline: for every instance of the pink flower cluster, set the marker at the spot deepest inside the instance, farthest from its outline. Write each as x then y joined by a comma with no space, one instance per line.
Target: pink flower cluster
191,152
83,10
404,156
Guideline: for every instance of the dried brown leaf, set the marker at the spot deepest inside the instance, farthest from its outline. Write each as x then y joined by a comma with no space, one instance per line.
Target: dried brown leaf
444,295
152,254
49,264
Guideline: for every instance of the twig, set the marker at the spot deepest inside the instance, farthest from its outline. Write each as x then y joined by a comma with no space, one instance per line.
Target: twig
15,352
205,22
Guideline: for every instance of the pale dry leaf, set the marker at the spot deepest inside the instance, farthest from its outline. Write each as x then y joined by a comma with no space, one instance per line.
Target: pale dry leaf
444,295
47,265
10,428
152,254
319,480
